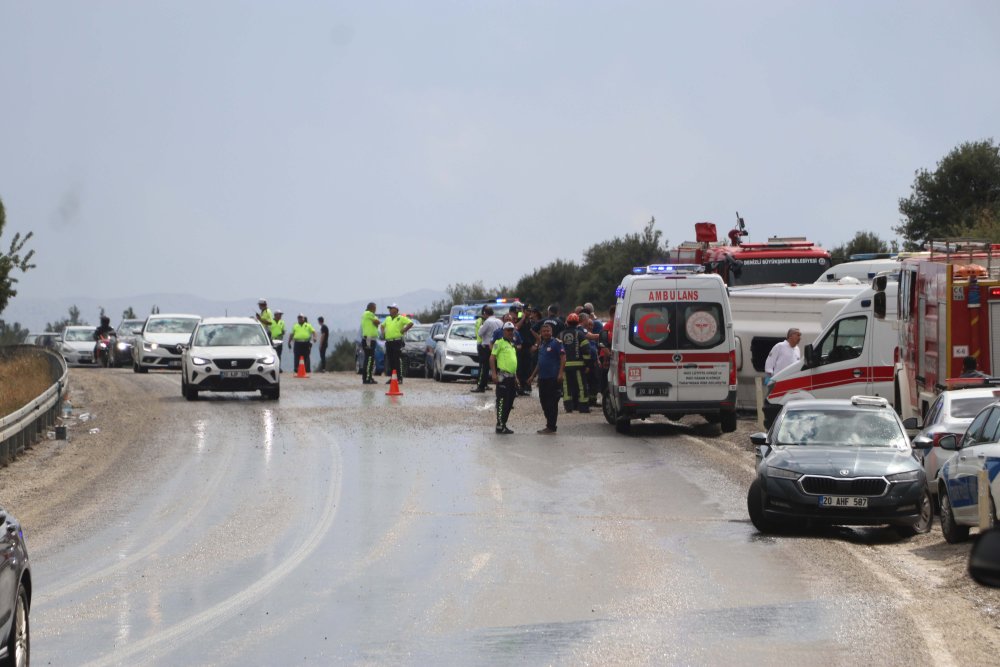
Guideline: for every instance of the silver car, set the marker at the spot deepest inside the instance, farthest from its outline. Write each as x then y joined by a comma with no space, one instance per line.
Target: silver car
455,355
77,345
229,354
951,413
159,345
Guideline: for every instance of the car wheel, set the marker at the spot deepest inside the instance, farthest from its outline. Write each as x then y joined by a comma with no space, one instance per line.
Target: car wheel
272,393
953,533
139,368
623,424
18,642
755,508
189,392
924,523
727,421
607,408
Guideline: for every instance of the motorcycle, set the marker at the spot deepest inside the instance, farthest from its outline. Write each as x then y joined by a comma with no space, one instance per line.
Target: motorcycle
102,350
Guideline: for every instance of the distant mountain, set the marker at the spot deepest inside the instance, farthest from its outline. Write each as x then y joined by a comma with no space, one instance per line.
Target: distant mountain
34,314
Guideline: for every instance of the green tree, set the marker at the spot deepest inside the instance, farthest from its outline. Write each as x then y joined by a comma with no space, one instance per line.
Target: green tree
554,283
72,320
155,310
12,260
12,334
128,314
604,264
343,356
961,195
862,242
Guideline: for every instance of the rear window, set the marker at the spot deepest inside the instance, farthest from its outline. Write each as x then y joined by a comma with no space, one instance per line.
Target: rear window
967,408
677,326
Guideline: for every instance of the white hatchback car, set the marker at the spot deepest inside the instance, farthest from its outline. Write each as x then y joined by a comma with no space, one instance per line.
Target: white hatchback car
158,346
229,354
77,344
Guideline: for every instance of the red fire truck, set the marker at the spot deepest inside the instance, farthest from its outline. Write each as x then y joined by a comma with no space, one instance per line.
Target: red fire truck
780,260
949,308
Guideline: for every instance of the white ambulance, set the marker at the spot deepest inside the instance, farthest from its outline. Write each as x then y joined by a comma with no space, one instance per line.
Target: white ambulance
673,352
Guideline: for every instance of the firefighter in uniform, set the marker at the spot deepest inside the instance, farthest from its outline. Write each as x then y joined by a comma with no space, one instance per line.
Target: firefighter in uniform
277,331
369,339
576,346
393,329
302,336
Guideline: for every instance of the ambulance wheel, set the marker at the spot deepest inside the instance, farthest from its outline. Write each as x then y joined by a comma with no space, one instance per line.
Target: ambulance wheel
607,408
623,425
727,421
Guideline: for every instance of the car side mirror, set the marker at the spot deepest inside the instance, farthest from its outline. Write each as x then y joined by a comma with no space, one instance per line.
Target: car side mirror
807,357
758,439
984,561
948,442
136,332
911,424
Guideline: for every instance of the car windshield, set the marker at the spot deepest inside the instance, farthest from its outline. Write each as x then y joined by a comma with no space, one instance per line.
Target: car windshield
416,335
218,335
969,407
833,427
79,334
174,325
464,331
129,326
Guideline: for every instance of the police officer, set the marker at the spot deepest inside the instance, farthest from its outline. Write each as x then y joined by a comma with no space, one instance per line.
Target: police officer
577,347
265,316
503,370
301,338
277,332
369,339
392,330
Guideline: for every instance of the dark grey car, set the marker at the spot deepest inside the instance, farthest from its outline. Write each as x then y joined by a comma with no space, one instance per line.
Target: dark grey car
838,462
15,593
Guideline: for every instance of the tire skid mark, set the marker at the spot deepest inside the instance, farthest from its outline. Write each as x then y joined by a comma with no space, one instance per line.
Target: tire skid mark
141,651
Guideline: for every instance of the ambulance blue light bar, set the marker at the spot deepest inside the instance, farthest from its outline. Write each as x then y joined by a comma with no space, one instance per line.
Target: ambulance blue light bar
668,268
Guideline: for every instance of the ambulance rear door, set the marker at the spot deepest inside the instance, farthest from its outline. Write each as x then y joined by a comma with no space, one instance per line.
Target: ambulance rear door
650,368
703,348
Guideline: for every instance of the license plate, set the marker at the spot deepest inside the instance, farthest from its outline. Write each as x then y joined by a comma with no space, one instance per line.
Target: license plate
473,372
652,391
234,374
174,364
850,502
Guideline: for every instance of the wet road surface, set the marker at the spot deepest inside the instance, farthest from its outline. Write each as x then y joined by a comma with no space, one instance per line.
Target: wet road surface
341,526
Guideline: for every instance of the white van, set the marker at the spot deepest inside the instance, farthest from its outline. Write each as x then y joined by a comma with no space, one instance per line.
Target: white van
854,354
672,350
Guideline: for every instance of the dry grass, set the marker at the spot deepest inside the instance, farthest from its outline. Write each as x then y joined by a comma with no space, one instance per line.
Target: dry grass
22,379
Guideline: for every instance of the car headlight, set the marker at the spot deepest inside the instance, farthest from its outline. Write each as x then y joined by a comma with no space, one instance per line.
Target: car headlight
121,346
781,473
909,476
199,361
266,360
149,346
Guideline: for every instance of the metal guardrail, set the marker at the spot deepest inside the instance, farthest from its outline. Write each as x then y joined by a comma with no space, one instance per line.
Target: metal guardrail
21,429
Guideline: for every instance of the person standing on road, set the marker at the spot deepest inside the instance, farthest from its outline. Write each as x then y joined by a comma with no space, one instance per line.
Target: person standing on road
503,369
484,340
576,345
369,339
549,370
392,330
782,355
277,331
591,331
301,338
265,316
524,354
324,339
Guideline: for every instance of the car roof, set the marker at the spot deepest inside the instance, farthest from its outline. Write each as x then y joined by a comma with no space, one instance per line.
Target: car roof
832,404
157,316
970,392
229,320
80,326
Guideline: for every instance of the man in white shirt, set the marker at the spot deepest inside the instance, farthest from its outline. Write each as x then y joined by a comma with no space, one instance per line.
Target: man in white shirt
783,354
486,329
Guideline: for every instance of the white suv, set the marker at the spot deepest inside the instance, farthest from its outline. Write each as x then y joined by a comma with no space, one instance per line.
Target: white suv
229,354
159,344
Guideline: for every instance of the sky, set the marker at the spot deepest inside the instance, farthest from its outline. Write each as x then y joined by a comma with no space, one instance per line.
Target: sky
332,151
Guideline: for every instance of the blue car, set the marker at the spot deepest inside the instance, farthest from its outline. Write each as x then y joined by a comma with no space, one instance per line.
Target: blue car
359,356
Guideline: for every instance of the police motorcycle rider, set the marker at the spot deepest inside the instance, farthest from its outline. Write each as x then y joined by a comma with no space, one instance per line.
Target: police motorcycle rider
103,334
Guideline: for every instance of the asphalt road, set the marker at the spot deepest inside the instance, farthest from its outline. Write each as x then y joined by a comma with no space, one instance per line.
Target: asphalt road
341,526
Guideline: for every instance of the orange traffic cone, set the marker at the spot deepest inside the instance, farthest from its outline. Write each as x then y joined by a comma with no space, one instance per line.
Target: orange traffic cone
394,386
302,368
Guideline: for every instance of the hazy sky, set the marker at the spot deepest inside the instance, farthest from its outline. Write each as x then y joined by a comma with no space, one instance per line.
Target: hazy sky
332,151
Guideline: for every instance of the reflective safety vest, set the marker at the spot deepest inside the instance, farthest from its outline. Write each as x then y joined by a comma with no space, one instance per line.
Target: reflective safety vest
277,329
302,332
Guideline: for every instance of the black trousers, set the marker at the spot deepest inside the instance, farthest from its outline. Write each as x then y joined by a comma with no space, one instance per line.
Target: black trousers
506,392
549,393
322,358
368,365
393,358
277,350
300,349
484,366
